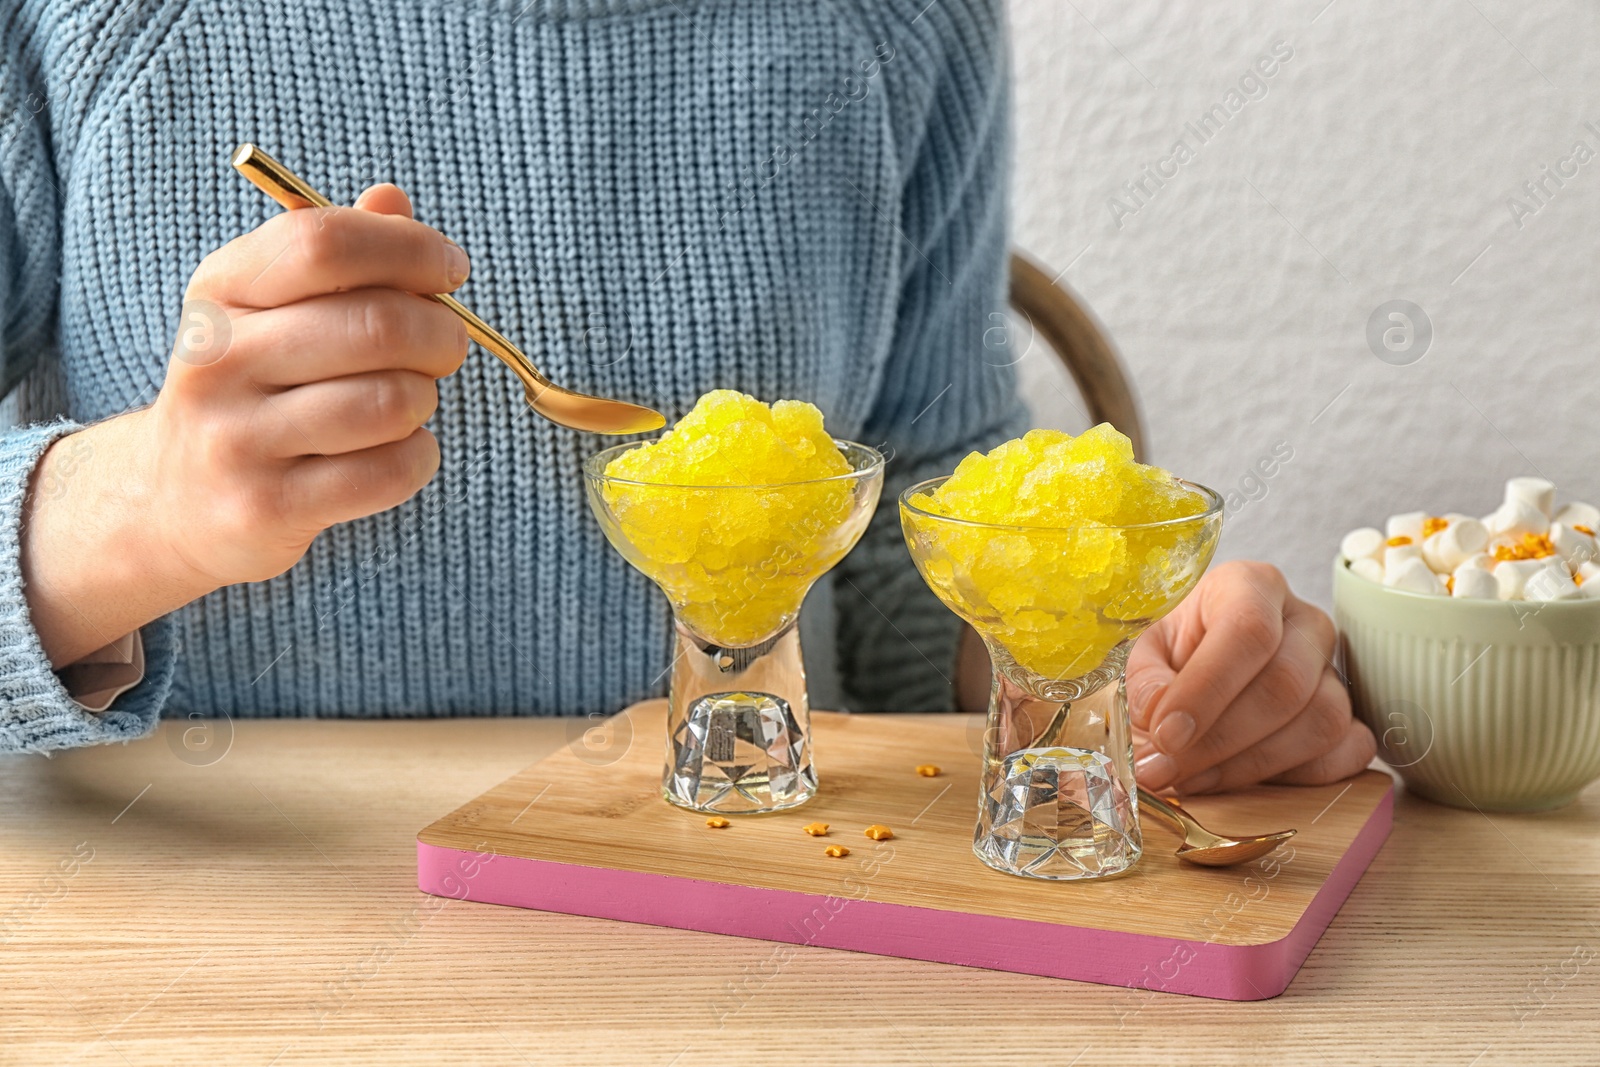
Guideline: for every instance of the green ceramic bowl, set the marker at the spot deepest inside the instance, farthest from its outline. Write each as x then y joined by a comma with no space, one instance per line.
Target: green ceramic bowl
1485,704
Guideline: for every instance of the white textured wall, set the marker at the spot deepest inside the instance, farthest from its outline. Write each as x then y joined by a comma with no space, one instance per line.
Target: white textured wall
1376,165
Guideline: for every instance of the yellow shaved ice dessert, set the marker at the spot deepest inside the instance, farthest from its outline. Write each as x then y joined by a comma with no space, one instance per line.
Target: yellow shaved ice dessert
734,523
730,438
1061,588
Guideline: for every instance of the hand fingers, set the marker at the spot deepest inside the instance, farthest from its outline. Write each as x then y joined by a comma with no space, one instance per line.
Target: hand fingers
1354,751
350,333
385,199
305,253
1316,728
323,490
1149,673
346,414
1273,698
1241,609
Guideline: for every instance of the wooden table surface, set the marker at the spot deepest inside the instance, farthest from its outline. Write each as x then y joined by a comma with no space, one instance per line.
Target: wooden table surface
162,905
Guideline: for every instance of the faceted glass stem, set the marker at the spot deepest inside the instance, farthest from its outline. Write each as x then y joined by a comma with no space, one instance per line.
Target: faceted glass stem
1058,799
738,727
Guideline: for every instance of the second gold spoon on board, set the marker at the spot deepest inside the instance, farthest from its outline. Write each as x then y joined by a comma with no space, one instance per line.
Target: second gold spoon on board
1201,845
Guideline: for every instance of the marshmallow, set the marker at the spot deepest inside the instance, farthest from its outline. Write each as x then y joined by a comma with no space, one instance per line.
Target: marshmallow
1589,575
1397,557
1574,547
1552,581
1406,525
1535,492
1474,584
1414,576
1576,514
1372,571
1453,517
1512,576
1515,518
1365,543
1478,561
1446,549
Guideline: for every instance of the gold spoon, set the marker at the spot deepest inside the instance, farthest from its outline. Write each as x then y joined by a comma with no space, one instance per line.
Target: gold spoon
578,411
1201,845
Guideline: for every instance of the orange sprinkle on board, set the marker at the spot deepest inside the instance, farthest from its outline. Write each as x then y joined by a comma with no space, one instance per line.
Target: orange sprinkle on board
878,832
928,770
1433,524
836,851
717,822
1396,542
816,829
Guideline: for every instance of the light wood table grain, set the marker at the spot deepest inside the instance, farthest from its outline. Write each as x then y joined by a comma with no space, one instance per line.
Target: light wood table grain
262,909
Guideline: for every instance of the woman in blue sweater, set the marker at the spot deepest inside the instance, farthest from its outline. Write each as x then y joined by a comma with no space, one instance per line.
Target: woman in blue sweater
312,503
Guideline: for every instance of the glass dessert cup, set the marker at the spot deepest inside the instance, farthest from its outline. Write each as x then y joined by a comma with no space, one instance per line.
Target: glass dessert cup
1059,609
735,563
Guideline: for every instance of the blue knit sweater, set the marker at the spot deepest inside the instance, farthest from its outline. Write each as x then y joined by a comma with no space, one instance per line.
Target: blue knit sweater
802,199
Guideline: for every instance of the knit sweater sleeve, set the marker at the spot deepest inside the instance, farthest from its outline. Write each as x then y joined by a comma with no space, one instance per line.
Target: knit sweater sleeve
947,388
36,712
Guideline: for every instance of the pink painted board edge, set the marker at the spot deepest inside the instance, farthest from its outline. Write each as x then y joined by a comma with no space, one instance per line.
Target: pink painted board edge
1053,950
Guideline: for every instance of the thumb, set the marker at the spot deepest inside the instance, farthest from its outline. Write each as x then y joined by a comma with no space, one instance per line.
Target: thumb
385,199
1149,674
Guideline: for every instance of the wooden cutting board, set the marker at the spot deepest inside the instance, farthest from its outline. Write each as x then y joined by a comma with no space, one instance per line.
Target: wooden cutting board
585,832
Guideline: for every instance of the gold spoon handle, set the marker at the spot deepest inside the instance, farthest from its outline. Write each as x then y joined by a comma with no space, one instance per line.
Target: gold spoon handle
276,180
1174,817
292,191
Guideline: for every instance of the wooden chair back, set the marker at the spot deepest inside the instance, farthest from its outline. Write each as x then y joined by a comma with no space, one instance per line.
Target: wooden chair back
1081,345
